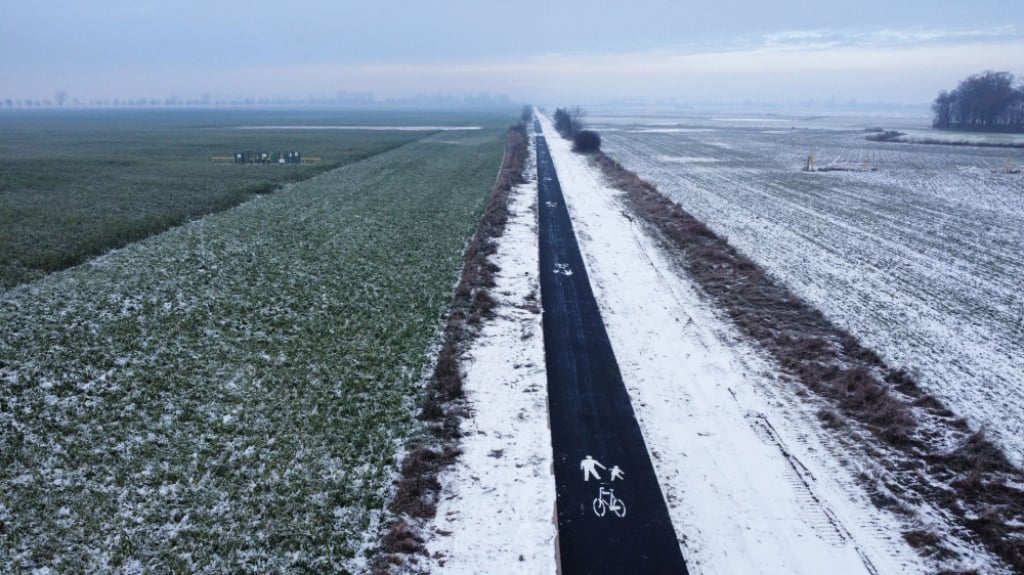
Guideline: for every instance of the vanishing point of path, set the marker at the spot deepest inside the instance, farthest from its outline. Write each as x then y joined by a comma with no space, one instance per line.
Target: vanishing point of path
612,517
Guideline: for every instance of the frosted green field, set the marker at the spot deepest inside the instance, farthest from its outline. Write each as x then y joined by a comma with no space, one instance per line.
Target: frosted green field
75,184
232,395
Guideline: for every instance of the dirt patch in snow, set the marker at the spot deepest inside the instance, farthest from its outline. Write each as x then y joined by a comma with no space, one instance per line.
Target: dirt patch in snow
929,454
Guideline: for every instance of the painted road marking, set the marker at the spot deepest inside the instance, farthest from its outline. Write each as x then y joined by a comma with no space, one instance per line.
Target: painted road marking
589,466
606,501
616,472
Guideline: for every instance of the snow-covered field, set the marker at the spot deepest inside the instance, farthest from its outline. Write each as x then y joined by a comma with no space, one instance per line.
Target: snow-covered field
913,248
753,481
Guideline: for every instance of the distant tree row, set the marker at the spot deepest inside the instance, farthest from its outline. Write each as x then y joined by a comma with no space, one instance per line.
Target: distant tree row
62,99
992,101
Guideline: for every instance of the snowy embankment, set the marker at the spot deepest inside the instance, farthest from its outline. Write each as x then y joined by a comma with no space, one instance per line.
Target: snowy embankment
753,482
495,512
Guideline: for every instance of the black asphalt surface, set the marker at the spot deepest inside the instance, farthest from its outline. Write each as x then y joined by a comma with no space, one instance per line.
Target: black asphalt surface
591,415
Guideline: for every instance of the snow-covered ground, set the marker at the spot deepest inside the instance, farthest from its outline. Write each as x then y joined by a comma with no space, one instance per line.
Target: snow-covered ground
497,508
919,258
753,482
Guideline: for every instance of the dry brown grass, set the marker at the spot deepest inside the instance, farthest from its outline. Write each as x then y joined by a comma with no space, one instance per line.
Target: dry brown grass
416,492
402,541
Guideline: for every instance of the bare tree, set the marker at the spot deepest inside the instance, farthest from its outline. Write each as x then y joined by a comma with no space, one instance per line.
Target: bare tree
1015,111
576,114
986,101
569,121
943,110
60,96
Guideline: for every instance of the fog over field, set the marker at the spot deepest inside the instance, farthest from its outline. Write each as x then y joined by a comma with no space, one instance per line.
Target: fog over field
535,51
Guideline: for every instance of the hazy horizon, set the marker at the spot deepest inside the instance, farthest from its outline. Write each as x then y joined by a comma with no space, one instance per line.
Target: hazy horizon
569,51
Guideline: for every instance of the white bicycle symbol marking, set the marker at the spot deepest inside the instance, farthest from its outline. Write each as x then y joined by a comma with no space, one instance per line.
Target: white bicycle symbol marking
606,501
563,269
551,204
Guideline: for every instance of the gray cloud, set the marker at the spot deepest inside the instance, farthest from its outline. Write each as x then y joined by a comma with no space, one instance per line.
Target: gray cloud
533,49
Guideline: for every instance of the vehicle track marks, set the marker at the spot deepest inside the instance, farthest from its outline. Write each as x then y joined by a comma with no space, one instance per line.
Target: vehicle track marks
817,514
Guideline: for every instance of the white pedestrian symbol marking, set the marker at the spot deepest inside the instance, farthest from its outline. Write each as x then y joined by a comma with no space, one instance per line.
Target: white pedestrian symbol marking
617,473
589,466
565,271
606,501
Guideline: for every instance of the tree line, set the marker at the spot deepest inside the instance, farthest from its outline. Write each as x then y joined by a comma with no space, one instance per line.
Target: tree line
989,101
343,98
569,123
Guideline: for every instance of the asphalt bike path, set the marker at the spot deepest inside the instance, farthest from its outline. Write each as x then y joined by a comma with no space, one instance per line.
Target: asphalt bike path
612,517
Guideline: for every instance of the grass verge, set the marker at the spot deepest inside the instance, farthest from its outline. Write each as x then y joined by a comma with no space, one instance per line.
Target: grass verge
418,488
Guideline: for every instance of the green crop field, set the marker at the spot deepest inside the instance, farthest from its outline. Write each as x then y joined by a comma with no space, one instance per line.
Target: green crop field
233,395
75,184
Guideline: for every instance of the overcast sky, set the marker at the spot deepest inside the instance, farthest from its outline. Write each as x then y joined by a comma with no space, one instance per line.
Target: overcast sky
543,51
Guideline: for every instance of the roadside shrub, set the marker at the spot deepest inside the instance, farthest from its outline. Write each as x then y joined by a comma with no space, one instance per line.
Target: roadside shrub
830,418
976,453
884,136
402,539
919,538
586,142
